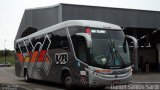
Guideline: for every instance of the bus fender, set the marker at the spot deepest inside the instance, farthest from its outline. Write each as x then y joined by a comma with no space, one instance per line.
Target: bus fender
65,69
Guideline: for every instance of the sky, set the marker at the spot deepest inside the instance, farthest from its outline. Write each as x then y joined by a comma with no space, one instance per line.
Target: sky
11,12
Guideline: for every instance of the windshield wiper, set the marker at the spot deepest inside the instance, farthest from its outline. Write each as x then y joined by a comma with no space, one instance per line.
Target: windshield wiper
115,51
118,55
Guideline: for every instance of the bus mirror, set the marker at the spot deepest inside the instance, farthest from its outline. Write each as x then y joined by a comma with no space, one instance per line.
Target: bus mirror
134,52
87,37
124,46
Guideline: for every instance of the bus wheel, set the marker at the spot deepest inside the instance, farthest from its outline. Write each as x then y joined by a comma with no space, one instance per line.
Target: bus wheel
67,80
26,77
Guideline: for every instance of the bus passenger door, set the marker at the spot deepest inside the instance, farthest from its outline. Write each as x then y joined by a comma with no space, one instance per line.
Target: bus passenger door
80,48
81,45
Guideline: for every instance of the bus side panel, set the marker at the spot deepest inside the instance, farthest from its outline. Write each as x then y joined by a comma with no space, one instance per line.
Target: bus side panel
53,55
19,61
60,53
47,55
48,71
18,69
59,65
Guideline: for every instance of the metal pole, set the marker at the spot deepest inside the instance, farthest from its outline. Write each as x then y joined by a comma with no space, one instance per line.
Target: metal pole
4,52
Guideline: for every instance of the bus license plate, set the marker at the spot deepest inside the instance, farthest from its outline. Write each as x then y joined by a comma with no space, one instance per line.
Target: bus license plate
115,82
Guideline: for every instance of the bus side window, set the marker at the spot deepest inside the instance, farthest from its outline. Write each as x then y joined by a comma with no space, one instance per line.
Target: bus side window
29,46
82,52
33,40
22,47
80,47
64,43
24,50
59,40
17,48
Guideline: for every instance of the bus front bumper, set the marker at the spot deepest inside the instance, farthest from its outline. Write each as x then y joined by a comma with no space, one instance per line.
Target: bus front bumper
99,80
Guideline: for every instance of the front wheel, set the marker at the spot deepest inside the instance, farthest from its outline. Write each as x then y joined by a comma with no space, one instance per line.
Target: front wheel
67,80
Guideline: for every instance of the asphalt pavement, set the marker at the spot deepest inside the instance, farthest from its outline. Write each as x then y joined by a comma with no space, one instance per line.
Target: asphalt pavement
140,81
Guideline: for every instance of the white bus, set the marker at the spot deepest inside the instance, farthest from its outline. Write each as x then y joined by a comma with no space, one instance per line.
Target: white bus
75,52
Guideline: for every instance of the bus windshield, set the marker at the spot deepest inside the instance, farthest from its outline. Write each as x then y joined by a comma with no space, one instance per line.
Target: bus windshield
109,49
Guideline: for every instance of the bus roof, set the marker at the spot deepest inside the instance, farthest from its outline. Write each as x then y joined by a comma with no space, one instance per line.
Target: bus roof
85,23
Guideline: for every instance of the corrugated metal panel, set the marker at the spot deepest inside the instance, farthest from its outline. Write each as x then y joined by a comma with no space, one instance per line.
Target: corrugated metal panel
45,17
39,18
25,23
122,17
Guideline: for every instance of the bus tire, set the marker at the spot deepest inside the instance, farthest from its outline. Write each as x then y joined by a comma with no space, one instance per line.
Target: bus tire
67,80
26,76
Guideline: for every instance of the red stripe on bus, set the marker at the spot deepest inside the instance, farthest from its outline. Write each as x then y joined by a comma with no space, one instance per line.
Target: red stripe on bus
47,59
30,54
34,56
42,55
20,57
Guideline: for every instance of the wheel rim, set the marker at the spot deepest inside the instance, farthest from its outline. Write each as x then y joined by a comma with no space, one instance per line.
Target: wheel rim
26,77
68,81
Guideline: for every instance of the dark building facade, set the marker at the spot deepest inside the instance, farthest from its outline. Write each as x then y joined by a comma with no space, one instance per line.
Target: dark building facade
44,17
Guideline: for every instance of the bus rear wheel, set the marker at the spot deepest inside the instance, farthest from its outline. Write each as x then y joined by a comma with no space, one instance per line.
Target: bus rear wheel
26,76
67,80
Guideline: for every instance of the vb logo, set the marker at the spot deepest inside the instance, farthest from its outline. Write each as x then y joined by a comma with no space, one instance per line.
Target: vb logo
61,58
